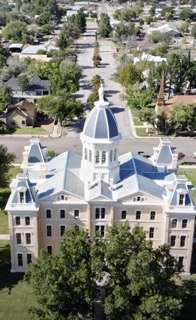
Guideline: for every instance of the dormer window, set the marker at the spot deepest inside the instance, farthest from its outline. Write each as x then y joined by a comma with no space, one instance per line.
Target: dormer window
181,199
22,197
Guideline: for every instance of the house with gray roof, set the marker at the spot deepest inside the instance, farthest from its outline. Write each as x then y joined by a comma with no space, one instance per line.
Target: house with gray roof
35,89
97,189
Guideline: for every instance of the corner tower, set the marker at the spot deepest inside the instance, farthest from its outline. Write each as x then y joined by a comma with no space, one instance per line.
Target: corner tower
100,138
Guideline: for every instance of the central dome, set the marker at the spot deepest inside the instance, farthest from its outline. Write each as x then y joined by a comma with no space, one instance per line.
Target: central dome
101,124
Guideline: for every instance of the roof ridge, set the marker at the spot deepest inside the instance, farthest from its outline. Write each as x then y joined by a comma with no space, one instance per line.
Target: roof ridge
65,172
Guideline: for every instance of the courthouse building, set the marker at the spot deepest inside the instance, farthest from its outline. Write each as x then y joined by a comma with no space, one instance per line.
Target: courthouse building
97,189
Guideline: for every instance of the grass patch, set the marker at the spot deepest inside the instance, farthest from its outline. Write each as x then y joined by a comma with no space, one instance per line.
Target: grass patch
16,296
137,121
4,194
30,130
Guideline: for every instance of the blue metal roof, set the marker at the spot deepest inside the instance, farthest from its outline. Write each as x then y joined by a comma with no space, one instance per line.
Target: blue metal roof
101,124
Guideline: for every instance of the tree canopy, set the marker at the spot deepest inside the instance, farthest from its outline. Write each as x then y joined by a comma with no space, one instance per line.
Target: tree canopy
137,281
104,27
6,160
64,284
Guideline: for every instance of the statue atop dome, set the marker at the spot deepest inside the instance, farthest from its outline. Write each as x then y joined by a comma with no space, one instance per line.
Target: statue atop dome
101,92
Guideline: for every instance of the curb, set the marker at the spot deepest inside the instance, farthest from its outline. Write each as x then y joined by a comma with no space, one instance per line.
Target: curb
25,135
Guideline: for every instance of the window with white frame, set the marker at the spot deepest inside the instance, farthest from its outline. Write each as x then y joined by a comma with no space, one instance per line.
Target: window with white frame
172,241
181,199
97,157
103,157
151,232
17,220
49,249
99,213
28,238
115,154
123,214
182,241
22,197
27,221
152,215
62,230
62,214
18,238
29,258
76,213
48,213
174,223
20,259
100,229
184,223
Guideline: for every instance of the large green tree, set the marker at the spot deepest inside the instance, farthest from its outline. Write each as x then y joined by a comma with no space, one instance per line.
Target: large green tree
104,27
5,163
184,118
16,30
138,280
128,74
64,284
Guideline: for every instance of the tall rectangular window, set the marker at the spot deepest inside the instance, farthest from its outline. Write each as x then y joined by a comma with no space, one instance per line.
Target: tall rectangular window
100,213
27,221
29,258
123,214
76,213
180,263
181,199
152,215
100,230
28,238
17,221
49,249
20,259
173,241
49,231
22,197
174,223
18,238
62,230
184,223
151,232
48,213
182,241
138,215
62,214
97,213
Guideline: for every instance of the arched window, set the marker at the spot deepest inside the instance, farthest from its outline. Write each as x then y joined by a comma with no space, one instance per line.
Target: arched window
103,157
115,152
111,156
90,155
97,157
85,154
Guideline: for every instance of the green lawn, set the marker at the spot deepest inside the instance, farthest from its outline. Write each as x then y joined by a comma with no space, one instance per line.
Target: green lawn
30,130
4,194
16,295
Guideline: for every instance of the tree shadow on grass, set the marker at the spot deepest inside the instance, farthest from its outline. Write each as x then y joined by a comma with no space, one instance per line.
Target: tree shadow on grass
7,279
4,194
188,292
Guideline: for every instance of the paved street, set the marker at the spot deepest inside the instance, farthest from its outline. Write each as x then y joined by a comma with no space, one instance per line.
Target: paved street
71,140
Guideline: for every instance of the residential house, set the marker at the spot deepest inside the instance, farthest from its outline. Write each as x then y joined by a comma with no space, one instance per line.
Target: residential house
35,89
21,114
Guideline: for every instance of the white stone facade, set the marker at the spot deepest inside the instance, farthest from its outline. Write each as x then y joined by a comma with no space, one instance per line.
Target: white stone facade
99,189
